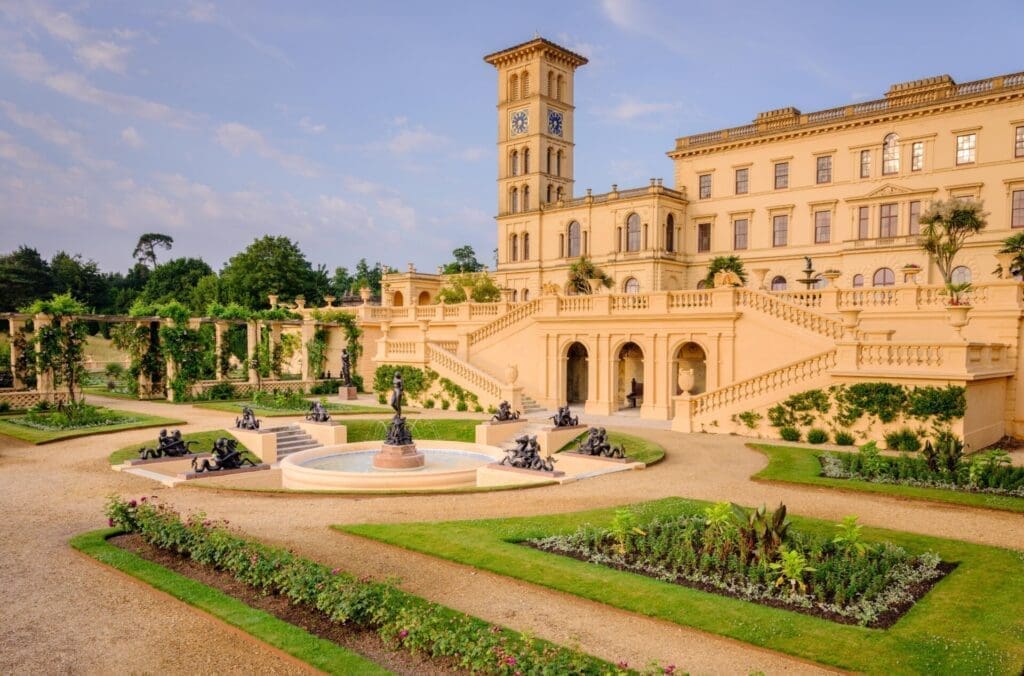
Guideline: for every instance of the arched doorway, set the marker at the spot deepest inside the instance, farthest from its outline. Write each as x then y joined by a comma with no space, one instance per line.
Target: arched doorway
630,387
576,374
691,356
397,300
424,298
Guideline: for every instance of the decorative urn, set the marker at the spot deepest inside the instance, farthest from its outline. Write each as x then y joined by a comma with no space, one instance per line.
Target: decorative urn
1006,264
511,374
595,285
685,379
468,290
364,293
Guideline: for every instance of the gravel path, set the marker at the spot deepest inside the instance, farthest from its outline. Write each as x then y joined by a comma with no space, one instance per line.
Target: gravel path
62,613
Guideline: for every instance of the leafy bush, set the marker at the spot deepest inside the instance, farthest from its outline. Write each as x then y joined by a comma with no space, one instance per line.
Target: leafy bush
445,404
789,434
905,440
461,406
843,438
113,369
76,415
477,408
400,619
942,403
758,556
428,403
325,387
750,419
220,392
415,381
4,407
283,400
817,435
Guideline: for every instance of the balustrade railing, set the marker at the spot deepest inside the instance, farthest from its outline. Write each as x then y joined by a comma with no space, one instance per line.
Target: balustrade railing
449,365
502,322
630,302
679,300
794,314
567,304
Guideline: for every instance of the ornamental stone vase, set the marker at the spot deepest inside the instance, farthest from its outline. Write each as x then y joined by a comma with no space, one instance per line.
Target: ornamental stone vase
957,315
910,274
328,301
831,276
468,290
685,379
1006,264
759,275
364,293
511,374
595,285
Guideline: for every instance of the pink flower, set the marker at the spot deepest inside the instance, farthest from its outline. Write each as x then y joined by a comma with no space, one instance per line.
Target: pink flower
132,503
510,661
670,669
335,571
110,522
403,633
623,665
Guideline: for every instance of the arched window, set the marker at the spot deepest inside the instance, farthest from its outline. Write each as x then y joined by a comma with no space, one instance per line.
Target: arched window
670,233
702,284
558,195
513,88
574,239
514,201
526,198
515,295
526,83
551,192
891,154
513,163
550,153
526,295
631,285
883,277
526,160
551,83
858,281
633,232
558,163
961,275
779,283
514,246
526,246
560,89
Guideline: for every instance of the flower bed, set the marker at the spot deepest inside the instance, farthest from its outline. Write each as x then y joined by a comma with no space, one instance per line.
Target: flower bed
400,619
989,472
756,557
71,417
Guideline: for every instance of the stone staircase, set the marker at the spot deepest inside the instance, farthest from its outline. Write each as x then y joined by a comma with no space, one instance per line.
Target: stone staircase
530,405
291,439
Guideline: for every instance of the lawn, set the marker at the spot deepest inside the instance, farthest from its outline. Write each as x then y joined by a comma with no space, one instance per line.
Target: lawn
319,653
37,436
205,440
801,466
450,429
640,450
969,623
264,412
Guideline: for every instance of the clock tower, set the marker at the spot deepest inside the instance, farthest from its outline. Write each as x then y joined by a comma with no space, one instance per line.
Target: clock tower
535,125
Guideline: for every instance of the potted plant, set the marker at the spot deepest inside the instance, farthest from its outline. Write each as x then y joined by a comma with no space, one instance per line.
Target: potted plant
831,275
959,305
910,272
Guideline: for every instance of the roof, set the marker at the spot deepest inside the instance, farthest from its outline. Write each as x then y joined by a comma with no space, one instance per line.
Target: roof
572,57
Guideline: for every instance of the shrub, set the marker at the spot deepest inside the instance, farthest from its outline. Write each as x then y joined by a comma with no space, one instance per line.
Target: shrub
750,419
220,392
843,438
4,407
905,440
381,398
428,403
325,387
478,408
817,436
445,404
461,406
113,369
789,434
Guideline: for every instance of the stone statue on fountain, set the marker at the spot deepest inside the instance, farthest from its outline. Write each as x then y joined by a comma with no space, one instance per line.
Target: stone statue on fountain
398,451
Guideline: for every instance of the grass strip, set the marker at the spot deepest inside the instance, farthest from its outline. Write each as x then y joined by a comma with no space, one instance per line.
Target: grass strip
788,464
205,439
969,623
36,436
262,411
319,653
640,450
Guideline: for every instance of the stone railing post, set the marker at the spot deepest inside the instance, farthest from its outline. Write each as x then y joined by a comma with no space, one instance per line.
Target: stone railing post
829,300
906,297
275,339
170,365
723,299
682,419
218,337
15,325
44,377
308,333
252,334
846,356
658,302
1003,294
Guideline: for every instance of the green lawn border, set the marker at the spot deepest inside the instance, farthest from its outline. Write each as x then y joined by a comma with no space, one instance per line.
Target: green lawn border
637,448
38,437
969,622
234,406
131,451
317,652
794,465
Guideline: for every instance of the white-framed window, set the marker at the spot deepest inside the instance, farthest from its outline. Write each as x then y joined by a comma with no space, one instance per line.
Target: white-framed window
514,163
743,181
824,169
865,164
888,220
703,237
778,283
780,230
883,277
670,233
574,240
514,201
704,188
632,285
633,232
917,156
526,246
1017,209
858,281
966,145
739,233
891,155
863,223
961,274
822,227
781,175
526,198
1018,143
514,246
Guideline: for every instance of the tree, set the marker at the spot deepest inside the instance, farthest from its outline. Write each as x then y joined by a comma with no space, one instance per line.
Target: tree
484,289
731,264
145,250
1013,244
465,261
268,265
61,345
342,282
206,293
947,224
125,289
368,277
24,277
82,280
582,271
176,279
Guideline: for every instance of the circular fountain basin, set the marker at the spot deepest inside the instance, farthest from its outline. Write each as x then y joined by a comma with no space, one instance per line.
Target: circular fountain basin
449,464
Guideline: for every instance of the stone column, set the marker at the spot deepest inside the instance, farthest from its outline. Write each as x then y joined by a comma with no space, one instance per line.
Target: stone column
15,326
218,335
275,338
171,367
44,378
308,333
145,382
252,335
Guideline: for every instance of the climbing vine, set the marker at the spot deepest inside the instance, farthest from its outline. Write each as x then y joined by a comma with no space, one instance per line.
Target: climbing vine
60,347
350,325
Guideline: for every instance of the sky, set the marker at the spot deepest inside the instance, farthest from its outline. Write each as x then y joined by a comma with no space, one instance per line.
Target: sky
368,129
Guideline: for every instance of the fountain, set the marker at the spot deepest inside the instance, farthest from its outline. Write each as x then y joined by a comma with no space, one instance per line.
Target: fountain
809,279
398,451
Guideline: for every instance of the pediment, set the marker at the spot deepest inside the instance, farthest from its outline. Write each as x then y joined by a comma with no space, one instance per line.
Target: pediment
889,190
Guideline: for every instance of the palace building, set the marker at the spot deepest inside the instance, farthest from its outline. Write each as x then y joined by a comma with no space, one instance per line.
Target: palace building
843,187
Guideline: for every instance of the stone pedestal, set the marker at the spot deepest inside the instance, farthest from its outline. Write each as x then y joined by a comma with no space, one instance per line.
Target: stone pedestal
347,393
398,457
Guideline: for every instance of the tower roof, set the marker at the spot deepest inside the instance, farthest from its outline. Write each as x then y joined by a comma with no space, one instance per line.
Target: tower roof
529,47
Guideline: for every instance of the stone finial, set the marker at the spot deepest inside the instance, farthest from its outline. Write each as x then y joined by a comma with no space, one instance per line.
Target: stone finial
412,267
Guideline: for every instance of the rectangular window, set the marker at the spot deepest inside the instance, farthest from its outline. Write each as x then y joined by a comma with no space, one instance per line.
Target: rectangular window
865,164
780,230
705,186
742,181
914,222
1018,146
965,146
917,156
1017,211
781,175
888,221
822,227
825,169
703,237
739,233
863,223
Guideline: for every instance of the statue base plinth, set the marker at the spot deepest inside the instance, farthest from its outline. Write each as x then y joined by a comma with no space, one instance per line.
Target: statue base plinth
398,457
347,393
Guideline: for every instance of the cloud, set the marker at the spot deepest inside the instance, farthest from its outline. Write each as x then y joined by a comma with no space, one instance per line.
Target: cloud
410,140
103,54
472,154
43,125
208,14
307,125
630,109
237,138
89,48
131,138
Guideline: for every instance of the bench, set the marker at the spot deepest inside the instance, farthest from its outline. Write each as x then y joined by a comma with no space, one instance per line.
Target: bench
636,391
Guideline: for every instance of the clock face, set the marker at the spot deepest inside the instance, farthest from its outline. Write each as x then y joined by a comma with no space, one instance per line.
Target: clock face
520,122
554,123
